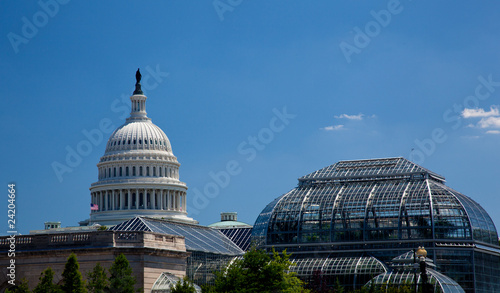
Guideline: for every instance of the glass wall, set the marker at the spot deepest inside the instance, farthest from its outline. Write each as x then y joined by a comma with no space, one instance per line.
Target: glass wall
382,207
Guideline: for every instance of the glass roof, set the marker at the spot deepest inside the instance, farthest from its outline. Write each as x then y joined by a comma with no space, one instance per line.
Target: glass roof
397,209
371,169
240,236
446,284
166,281
364,265
198,238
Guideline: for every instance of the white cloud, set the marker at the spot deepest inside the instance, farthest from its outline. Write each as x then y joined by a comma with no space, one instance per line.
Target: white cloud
493,131
471,137
480,113
351,117
333,127
493,122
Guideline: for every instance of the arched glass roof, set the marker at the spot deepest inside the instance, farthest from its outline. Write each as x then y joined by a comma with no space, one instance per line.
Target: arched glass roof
372,200
197,238
331,266
440,282
166,281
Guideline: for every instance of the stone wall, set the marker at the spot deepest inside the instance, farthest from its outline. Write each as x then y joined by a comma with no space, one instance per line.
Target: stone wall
149,254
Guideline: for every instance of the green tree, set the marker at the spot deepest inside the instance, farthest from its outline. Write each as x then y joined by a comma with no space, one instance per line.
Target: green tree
97,281
121,279
21,288
46,284
259,272
72,278
337,287
183,286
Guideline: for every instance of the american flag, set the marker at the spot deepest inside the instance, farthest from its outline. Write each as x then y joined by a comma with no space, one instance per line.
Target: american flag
94,207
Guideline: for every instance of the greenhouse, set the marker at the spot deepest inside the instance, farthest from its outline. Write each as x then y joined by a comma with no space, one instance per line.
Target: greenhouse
166,282
383,208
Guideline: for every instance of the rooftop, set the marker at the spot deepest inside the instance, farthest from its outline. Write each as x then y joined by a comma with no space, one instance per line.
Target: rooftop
368,170
198,238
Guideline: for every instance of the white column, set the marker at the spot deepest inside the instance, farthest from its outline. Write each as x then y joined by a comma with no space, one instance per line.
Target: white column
122,201
173,200
113,200
137,198
170,200
105,200
129,199
166,203
160,198
153,199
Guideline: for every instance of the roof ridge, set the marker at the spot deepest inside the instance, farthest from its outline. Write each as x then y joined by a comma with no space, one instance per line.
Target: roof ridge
370,168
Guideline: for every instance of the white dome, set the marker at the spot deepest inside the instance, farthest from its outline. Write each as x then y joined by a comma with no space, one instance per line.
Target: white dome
138,135
138,175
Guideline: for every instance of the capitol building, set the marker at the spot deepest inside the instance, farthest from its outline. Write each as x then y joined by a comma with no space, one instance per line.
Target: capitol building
138,174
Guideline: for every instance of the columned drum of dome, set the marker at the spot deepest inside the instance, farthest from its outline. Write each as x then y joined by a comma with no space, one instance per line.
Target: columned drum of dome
138,173
383,208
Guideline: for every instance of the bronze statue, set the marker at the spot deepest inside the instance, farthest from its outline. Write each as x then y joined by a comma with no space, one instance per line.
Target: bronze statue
138,76
138,90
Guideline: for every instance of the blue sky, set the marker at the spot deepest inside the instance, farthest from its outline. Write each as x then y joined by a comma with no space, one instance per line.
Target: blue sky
276,88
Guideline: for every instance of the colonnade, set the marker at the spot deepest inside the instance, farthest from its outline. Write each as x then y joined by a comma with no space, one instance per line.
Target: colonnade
139,198
117,171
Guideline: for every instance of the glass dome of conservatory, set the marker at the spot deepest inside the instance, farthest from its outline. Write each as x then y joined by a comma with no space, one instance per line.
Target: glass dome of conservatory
382,208
372,200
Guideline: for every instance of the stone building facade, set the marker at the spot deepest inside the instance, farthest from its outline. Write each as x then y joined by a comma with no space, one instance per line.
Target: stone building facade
149,254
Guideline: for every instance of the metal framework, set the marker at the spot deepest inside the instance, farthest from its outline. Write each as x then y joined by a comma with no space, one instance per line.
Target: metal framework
383,207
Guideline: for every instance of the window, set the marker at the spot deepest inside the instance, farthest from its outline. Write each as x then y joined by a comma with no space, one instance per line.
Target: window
121,172
109,172
129,141
114,172
140,171
126,171
147,171
154,171
133,171
159,169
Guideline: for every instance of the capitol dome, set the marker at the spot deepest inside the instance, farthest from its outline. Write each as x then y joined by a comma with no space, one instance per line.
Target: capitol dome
383,208
138,175
138,135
